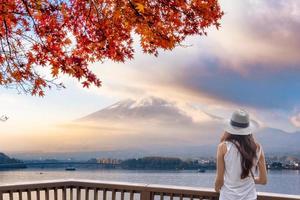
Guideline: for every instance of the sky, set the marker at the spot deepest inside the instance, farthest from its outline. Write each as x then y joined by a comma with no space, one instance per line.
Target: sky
252,62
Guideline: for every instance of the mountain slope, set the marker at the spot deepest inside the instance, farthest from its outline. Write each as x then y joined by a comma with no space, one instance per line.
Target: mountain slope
150,108
275,140
4,159
159,126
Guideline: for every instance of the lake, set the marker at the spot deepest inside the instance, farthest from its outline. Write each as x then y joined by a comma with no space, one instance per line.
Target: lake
281,181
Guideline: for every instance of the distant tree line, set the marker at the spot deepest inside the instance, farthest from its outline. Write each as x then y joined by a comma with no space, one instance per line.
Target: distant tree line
164,163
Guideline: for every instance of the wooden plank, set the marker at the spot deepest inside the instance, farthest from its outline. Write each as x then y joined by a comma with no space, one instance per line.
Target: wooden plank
152,196
78,195
20,195
122,195
145,195
95,194
47,195
38,194
113,194
64,193
131,195
161,196
71,193
87,194
55,194
104,194
29,195
11,195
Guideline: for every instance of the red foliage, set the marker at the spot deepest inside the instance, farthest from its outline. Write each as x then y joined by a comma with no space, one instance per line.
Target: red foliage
65,36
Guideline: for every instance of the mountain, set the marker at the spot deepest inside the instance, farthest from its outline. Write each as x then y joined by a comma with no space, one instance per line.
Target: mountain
149,108
155,126
278,141
10,163
4,159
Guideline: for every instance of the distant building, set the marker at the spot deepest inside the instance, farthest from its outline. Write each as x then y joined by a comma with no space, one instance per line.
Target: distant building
108,161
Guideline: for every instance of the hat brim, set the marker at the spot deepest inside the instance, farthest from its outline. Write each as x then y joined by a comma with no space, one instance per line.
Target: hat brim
253,126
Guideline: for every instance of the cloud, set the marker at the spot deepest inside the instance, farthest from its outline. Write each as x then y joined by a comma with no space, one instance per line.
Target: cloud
260,89
259,32
295,120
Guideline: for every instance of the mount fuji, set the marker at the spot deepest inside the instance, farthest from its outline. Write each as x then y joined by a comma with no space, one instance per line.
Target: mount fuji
156,126
149,108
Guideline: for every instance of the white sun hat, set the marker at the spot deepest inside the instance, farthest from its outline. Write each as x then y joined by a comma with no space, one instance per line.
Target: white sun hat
240,123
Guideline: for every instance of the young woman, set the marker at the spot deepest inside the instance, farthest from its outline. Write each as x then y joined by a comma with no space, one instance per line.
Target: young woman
238,158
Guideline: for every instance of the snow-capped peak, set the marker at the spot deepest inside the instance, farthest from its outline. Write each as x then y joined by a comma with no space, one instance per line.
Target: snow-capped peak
144,108
149,101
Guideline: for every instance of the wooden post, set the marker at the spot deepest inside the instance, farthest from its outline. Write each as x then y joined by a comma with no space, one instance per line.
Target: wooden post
122,195
131,195
104,194
95,194
71,193
87,194
64,193
146,195
161,196
55,194
113,194
47,194
28,195
38,195
20,195
78,195
11,195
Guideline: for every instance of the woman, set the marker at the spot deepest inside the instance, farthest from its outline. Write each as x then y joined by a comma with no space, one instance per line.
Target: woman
238,158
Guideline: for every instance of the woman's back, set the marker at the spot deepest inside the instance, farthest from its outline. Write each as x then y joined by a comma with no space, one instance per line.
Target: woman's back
238,156
234,187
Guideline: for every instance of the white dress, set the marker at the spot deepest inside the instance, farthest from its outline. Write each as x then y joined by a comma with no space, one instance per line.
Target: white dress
234,187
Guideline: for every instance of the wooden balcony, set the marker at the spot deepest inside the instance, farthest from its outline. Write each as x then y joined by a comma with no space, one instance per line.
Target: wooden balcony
99,190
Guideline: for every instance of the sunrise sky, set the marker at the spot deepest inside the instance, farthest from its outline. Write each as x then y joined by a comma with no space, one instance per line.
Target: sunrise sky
252,62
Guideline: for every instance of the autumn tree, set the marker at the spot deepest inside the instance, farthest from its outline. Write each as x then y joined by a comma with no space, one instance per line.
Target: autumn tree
42,39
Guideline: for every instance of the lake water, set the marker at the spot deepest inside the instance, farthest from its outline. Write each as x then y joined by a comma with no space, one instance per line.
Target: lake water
285,181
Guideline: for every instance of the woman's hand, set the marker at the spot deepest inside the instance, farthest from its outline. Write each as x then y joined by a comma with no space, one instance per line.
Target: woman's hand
218,184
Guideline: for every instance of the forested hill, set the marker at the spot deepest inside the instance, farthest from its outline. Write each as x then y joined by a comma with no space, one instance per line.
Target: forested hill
164,163
4,159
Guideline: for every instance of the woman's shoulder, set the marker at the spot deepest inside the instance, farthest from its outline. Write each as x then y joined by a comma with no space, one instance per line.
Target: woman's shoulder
258,146
222,147
259,149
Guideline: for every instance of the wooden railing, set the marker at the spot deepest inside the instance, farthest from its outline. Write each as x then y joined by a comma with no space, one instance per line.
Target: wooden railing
98,190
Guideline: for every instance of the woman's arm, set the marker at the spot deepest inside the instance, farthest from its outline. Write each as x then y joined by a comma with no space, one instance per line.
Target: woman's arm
220,166
262,171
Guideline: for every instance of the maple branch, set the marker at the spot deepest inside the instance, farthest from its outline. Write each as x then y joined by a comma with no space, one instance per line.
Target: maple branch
33,21
36,33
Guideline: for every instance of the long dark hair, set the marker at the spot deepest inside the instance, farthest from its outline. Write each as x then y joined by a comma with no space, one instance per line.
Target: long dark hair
247,147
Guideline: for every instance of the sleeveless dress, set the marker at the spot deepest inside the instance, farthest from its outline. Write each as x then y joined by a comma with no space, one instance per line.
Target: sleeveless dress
234,187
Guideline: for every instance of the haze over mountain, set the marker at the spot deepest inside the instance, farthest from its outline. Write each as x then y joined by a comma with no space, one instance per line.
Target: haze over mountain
173,122
155,126
149,108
